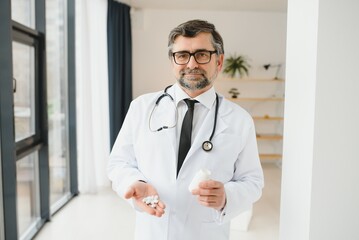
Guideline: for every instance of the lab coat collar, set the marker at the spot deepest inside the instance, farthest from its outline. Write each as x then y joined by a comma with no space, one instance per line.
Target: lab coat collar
206,99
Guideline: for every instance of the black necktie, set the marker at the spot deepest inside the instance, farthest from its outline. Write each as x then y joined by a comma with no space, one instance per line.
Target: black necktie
186,133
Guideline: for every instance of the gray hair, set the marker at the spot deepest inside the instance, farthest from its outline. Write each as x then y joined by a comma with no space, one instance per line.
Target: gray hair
191,29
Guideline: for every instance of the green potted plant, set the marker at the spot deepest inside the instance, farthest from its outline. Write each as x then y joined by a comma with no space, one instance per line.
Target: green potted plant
236,64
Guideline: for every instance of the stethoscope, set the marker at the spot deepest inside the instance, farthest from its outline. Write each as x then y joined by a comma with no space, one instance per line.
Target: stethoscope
206,145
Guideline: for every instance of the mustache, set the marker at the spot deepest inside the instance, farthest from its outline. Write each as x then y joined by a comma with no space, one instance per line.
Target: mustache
192,71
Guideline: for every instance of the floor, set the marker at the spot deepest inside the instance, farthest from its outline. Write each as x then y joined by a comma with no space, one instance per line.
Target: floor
106,216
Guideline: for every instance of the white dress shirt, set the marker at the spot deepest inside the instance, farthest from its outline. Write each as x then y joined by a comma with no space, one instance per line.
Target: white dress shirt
205,102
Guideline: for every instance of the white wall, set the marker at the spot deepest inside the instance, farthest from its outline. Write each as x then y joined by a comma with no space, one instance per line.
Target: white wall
259,35
299,117
320,193
335,189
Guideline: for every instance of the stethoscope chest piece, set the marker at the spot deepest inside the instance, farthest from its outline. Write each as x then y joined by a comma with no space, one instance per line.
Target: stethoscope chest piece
207,146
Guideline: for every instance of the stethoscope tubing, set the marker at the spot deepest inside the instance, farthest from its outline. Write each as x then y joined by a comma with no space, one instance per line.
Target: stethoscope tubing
207,145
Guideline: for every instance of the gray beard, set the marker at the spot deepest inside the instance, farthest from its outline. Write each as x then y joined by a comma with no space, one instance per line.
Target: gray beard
195,84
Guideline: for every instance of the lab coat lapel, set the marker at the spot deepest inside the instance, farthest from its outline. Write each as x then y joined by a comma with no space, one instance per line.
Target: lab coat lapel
165,114
171,133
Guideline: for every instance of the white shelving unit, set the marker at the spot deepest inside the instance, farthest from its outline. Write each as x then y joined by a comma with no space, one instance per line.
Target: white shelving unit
264,100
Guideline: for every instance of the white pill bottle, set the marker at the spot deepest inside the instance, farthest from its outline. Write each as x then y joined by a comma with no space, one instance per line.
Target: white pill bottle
201,175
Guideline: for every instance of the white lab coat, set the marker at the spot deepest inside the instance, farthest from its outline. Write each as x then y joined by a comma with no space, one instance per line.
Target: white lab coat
139,154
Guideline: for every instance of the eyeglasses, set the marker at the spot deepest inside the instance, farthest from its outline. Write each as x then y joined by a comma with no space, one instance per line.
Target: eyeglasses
201,56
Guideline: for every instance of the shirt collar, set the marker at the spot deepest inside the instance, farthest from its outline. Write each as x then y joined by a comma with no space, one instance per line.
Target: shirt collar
207,98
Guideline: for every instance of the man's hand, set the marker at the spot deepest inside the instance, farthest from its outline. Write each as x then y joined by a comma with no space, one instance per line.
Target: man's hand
211,193
138,191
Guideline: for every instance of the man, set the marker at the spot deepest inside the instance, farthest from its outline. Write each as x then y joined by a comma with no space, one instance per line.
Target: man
155,158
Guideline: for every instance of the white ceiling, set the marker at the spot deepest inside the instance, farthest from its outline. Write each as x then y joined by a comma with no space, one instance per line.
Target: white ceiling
224,5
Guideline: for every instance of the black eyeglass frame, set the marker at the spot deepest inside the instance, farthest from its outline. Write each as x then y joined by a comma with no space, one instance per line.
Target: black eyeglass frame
194,56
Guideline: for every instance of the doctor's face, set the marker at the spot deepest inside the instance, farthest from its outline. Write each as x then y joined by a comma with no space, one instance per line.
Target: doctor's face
197,75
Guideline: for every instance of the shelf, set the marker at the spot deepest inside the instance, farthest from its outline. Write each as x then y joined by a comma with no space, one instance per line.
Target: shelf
268,118
256,99
251,79
270,156
263,98
269,137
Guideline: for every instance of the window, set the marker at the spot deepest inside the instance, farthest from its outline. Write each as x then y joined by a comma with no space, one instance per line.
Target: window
28,201
30,127
24,86
57,98
23,11
37,114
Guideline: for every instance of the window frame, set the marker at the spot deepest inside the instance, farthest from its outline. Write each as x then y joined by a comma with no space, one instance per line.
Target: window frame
12,151
30,37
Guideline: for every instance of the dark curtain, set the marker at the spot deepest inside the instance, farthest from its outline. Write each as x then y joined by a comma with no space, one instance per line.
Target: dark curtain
119,64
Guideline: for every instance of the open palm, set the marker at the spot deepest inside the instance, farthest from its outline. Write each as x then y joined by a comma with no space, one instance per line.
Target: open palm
138,191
